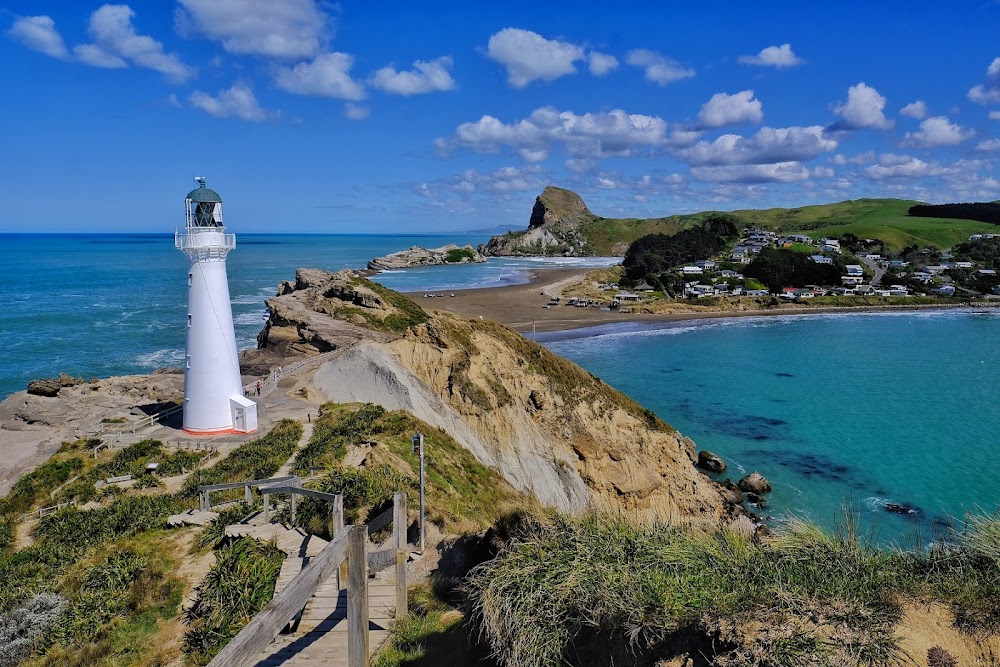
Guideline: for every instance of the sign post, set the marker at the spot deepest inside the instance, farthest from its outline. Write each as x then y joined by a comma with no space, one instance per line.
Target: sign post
418,448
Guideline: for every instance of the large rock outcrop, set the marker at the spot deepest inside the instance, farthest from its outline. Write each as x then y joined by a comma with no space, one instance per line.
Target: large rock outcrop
417,256
553,229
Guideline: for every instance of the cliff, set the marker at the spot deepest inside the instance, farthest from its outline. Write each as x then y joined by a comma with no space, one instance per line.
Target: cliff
417,256
546,425
561,224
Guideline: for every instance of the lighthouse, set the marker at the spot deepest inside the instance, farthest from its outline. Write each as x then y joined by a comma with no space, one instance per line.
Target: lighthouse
213,389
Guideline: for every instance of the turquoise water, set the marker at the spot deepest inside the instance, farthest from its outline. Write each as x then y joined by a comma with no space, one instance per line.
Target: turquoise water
102,305
855,409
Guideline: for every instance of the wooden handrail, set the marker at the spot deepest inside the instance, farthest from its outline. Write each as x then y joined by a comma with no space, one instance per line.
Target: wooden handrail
238,485
246,646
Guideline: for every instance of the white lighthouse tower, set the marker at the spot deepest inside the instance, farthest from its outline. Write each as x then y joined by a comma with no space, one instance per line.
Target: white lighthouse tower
213,390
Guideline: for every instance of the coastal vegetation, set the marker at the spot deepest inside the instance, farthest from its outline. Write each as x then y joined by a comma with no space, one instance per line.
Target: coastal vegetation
984,211
651,256
599,589
778,268
458,255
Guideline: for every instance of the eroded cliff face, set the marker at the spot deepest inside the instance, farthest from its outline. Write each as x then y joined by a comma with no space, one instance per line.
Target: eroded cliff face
553,229
547,425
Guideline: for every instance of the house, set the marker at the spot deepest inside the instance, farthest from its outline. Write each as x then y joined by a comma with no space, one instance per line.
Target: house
692,270
935,269
757,292
854,270
698,290
829,245
799,238
898,264
705,264
872,256
729,273
740,254
987,272
945,290
644,287
864,290
963,265
626,297
821,259
851,280
922,276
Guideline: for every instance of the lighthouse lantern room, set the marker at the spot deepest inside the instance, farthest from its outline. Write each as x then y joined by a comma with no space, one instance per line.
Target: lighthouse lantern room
214,401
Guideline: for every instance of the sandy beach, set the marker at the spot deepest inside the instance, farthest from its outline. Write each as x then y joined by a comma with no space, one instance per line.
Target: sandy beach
522,307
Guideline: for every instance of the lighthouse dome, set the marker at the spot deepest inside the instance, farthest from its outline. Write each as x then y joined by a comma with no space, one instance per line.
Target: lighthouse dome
203,194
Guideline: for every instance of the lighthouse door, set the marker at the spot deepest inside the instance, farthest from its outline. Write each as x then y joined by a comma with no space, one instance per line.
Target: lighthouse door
239,424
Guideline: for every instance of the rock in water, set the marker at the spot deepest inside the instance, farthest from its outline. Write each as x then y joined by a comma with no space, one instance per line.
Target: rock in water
754,483
417,256
553,229
710,462
731,493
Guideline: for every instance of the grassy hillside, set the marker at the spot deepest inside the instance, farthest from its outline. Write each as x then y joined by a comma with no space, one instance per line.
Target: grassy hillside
884,219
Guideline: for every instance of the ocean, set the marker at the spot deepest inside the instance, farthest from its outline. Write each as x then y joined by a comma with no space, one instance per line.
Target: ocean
854,409
103,305
841,412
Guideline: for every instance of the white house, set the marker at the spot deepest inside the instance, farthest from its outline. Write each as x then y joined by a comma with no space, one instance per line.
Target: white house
821,259
692,270
855,270
705,264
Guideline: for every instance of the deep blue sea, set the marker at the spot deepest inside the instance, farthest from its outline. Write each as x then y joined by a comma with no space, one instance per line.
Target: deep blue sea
834,409
837,411
103,305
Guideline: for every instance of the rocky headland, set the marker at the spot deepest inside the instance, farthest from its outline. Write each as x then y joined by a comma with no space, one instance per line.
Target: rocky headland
417,256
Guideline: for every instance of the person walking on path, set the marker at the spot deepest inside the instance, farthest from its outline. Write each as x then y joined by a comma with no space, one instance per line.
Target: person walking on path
258,387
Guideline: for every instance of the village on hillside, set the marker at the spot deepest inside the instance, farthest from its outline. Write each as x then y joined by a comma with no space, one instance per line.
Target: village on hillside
842,267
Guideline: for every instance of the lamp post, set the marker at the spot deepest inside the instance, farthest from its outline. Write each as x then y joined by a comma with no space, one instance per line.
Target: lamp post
418,448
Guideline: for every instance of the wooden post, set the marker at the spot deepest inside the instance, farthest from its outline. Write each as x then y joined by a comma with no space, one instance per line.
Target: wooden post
357,597
293,507
399,524
336,528
267,508
247,494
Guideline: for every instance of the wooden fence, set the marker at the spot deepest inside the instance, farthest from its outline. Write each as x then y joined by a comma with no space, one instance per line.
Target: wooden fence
349,548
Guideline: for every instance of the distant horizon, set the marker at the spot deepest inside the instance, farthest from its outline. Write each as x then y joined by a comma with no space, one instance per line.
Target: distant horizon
453,116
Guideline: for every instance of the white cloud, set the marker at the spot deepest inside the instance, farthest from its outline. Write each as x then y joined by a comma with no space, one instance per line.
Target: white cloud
530,57
592,135
989,92
823,172
236,102
779,172
356,111
116,41
95,56
768,146
326,76
507,179
858,158
988,146
39,33
725,109
893,166
285,29
658,68
582,166
916,110
995,115
601,63
425,77
937,131
774,56
864,108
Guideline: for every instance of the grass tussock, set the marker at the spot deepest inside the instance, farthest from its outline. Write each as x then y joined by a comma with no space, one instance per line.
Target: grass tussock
237,587
563,587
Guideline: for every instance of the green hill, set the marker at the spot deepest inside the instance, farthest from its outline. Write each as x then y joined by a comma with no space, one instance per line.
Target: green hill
562,224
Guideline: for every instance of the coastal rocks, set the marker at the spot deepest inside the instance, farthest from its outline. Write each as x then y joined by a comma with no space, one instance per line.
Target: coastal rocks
901,508
323,311
417,256
553,229
50,387
536,401
710,462
731,493
754,483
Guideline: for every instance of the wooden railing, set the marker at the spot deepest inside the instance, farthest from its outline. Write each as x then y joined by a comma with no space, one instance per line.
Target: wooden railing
349,547
205,492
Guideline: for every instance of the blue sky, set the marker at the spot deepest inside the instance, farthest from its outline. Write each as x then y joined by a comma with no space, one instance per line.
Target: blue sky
309,116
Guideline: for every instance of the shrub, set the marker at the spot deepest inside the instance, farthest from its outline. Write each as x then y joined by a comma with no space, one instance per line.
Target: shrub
20,628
